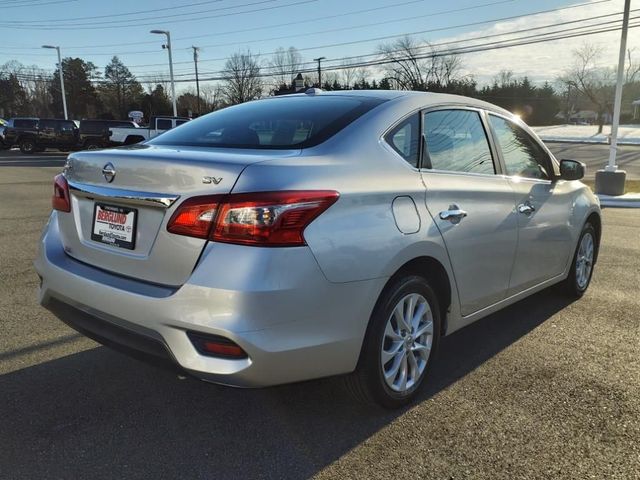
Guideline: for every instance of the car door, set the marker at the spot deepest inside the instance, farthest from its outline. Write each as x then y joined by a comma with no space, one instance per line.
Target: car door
67,133
543,206
46,132
471,204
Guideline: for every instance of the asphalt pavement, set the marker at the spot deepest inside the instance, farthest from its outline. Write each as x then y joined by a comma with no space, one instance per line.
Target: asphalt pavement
548,389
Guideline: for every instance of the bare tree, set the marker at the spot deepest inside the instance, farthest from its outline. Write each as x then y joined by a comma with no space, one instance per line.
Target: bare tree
212,95
594,82
285,65
243,82
633,68
351,74
411,65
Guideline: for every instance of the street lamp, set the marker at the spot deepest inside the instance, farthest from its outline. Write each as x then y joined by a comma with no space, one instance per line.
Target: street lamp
319,70
64,99
173,86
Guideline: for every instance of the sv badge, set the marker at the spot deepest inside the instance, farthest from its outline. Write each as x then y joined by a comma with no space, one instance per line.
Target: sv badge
214,180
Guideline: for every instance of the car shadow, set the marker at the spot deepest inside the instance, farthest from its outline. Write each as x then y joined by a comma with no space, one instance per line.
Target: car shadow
100,414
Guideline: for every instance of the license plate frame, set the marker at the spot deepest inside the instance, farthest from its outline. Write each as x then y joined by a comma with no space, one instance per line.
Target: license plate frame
109,233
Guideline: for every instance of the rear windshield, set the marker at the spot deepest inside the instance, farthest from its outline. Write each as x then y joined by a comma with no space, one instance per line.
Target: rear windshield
279,123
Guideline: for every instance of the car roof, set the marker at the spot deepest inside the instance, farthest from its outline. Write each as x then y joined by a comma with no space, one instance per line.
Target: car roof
425,99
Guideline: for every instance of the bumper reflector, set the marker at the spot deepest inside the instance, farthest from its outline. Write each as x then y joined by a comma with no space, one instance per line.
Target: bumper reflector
216,346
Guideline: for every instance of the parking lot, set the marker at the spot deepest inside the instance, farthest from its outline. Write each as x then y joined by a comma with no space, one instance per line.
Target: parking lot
547,388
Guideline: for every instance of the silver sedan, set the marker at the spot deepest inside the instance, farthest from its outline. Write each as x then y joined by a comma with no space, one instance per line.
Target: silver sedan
326,233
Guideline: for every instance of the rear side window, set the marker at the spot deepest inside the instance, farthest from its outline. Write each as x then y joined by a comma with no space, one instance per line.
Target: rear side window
405,139
24,123
457,142
163,124
276,123
522,155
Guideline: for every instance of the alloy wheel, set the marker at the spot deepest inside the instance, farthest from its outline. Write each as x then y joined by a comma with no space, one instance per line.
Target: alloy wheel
406,343
584,261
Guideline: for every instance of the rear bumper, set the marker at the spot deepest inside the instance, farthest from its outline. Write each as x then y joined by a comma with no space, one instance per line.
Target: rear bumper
275,303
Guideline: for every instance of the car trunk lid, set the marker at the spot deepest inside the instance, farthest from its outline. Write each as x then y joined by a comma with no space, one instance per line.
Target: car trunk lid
121,200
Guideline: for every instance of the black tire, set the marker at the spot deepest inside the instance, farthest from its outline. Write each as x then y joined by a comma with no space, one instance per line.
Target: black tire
27,146
92,145
367,382
571,285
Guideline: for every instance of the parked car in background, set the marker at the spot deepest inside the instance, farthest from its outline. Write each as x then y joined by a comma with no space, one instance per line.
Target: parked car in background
157,125
96,133
36,134
3,126
327,233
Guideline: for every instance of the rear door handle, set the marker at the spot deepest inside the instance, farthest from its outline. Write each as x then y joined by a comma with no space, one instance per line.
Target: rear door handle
453,215
526,208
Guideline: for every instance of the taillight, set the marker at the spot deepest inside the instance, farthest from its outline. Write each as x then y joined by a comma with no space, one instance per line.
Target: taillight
195,216
273,219
60,199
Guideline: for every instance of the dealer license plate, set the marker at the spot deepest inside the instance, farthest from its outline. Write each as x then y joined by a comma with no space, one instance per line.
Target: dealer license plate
114,225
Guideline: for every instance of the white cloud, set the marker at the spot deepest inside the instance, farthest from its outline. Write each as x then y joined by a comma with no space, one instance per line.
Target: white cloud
545,61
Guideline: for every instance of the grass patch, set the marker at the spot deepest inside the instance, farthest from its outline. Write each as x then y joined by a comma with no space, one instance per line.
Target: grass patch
630,186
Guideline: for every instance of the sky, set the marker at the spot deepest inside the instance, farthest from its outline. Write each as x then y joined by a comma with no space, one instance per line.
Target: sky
97,30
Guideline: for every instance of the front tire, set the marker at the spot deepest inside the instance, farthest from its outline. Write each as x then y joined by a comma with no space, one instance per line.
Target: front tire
583,262
400,344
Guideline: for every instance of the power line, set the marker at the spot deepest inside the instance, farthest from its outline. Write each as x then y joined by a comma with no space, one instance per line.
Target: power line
86,26
264,27
387,37
111,15
33,4
156,76
352,27
500,44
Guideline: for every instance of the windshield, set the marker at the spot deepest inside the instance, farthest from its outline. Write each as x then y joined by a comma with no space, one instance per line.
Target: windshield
277,123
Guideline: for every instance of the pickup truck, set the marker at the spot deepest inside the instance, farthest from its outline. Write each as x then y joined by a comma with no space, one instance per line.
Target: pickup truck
36,134
157,125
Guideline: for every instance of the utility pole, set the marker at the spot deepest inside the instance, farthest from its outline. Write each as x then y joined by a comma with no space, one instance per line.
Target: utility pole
64,97
319,60
195,61
173,85
610,181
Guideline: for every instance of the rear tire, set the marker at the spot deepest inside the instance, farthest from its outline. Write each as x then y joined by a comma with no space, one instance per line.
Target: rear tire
399,346
27,146
583,262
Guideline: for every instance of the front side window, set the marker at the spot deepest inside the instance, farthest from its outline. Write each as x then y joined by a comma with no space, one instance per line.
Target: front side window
456,142
405,139
47,125
275,123
522,155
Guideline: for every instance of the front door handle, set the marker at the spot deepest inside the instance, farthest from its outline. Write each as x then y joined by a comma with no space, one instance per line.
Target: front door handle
453,215
526,208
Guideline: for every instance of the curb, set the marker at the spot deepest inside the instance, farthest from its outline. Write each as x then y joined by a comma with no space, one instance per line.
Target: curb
628,200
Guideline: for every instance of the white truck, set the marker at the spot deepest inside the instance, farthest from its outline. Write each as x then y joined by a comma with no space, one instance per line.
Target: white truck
131,135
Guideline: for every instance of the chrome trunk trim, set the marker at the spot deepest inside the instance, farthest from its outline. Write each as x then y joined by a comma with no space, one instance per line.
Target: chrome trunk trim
132,197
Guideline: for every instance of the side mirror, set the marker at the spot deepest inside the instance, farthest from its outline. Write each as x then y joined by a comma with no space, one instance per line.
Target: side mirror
572,170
